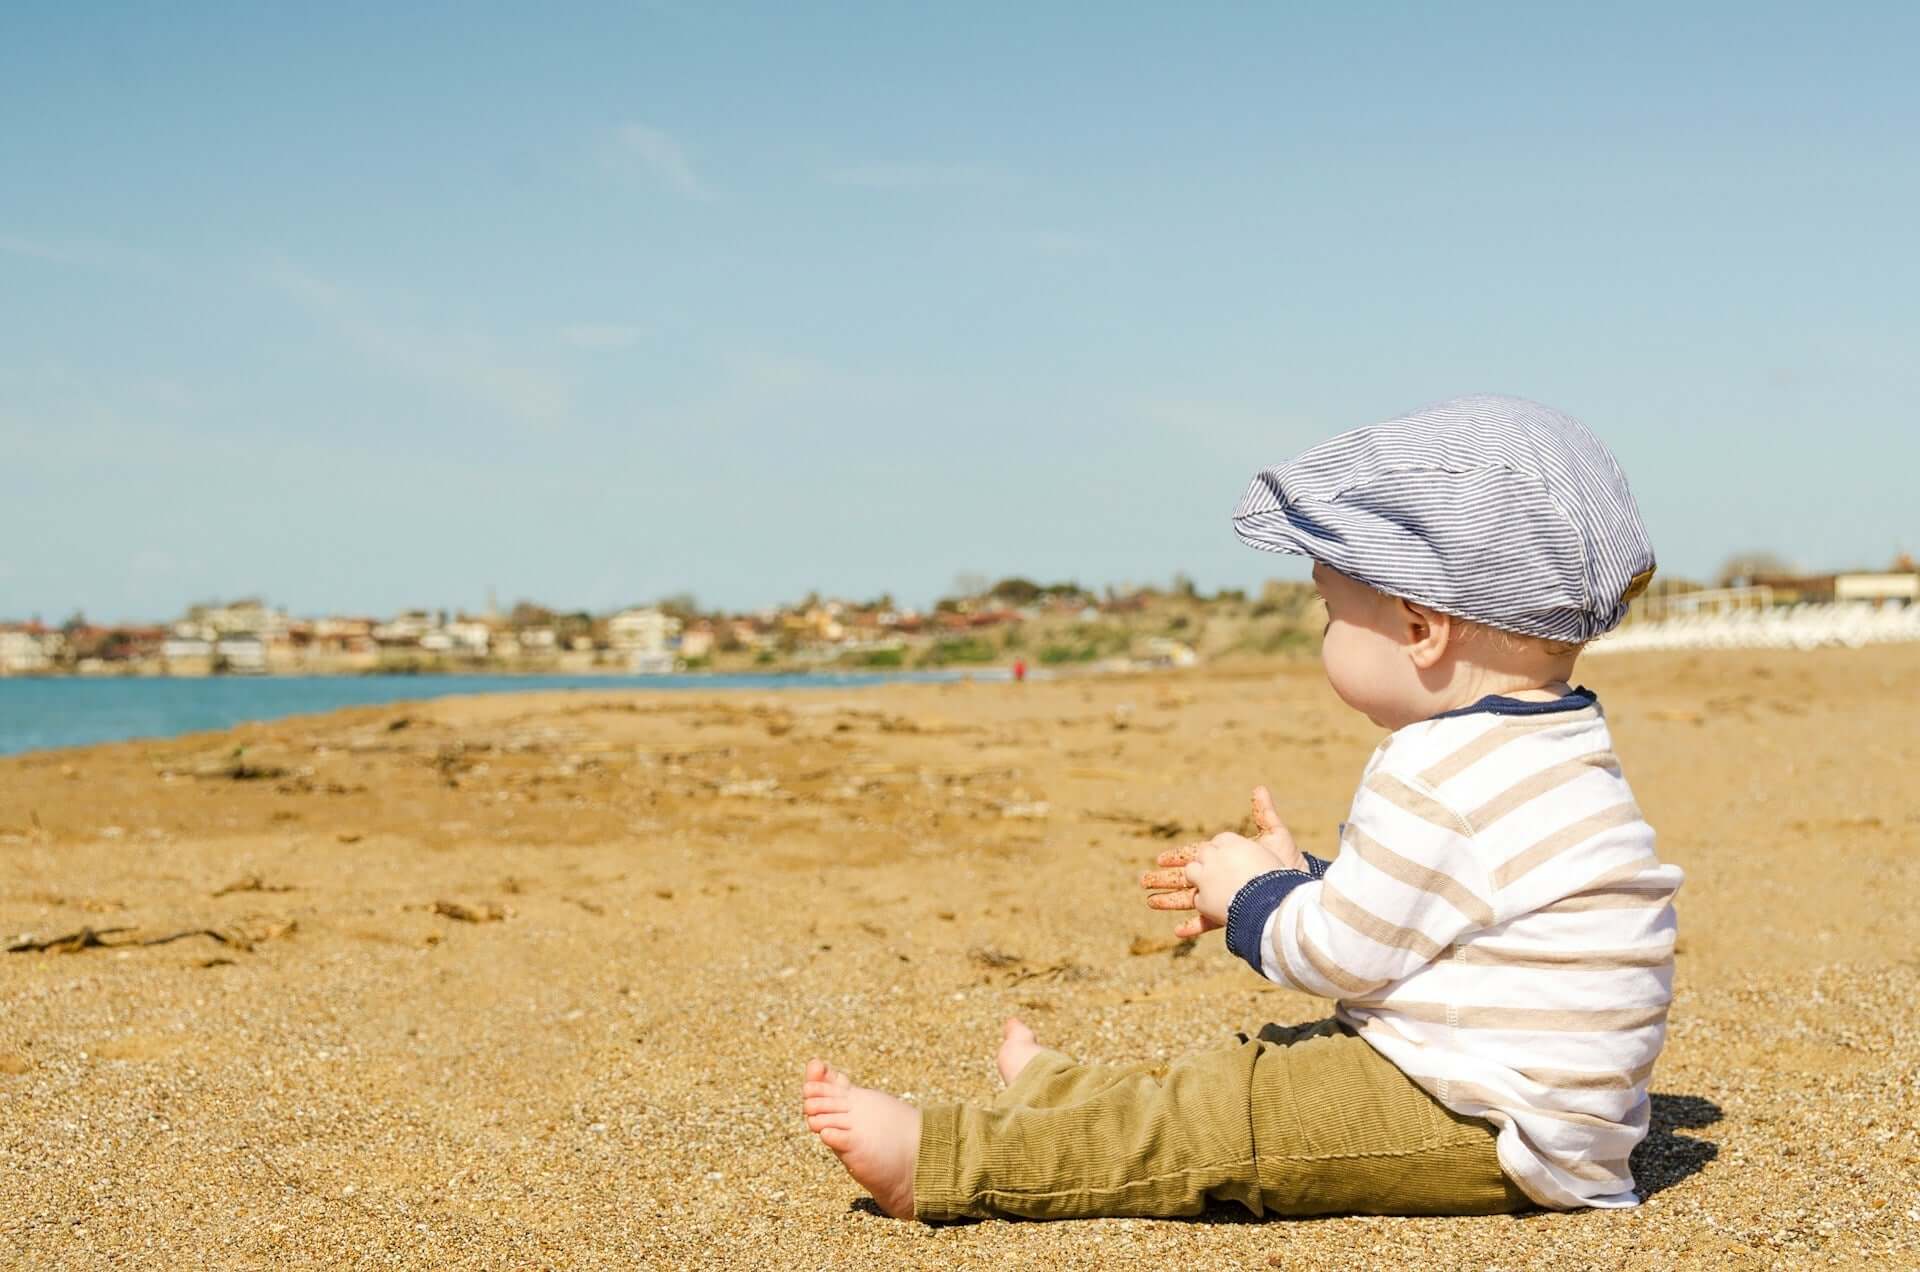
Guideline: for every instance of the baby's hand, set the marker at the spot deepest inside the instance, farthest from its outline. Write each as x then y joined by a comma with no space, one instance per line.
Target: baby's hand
1205,877
1214,872
1274,835
1172,890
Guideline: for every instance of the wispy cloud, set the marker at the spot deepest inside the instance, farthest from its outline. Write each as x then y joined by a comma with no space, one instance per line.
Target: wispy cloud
38,250
80,253
799,376
462,363
1218,430
653,153
851,409
918,176
602,337
153,561
1057,242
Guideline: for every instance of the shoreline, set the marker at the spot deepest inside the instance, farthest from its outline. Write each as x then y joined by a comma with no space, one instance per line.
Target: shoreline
167,707
433,673
481,670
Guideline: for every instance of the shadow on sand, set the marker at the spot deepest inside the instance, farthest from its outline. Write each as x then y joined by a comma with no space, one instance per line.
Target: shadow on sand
1665,1157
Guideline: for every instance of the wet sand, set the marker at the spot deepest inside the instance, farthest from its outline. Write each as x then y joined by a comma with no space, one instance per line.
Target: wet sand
528,981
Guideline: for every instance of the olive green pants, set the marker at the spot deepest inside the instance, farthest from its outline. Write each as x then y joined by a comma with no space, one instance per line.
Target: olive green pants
1300,1120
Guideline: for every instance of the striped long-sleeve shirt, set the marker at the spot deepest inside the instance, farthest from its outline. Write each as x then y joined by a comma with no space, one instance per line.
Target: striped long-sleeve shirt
1498,926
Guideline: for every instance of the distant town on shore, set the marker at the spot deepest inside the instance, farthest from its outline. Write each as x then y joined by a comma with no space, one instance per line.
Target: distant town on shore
1013,620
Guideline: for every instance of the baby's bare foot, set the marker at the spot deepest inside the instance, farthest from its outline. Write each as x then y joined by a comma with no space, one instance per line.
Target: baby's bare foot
876,1136
1017,1046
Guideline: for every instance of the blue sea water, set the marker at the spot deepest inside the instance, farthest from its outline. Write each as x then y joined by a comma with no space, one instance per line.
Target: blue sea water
36,714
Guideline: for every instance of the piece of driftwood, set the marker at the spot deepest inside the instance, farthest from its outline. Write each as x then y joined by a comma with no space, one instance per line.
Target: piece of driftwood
1164,828
88,938
72,943
252,883
479,912
222,937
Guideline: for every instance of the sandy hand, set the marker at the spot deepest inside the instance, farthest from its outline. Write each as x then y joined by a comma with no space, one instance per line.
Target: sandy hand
1274,835
1224,863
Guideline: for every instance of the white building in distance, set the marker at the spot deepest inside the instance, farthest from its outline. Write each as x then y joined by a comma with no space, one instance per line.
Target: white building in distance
25,651
1877,587
246,617
242,652
644,638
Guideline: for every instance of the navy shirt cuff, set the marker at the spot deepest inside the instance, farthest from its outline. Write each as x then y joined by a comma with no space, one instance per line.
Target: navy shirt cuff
1254,904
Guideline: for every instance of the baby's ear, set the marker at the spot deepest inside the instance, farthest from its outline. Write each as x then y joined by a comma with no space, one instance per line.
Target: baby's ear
1415,615
1429,632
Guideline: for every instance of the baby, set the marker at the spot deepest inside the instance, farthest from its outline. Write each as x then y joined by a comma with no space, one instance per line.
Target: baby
1496,932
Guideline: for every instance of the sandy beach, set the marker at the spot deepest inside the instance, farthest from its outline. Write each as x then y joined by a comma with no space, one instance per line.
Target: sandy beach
528,981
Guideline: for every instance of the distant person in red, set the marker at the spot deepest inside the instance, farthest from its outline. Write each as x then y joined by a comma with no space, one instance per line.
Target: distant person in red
1019,669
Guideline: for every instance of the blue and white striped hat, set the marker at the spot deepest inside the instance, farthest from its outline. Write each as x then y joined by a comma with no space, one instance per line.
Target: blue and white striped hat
1488,508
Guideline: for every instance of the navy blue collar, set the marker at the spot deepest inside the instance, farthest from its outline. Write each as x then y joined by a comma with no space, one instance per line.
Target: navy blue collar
1497,704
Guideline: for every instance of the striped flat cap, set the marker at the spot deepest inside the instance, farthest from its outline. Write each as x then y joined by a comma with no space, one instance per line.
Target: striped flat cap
1489,508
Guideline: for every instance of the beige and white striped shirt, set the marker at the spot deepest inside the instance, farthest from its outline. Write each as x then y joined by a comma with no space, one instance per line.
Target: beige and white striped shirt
1497,925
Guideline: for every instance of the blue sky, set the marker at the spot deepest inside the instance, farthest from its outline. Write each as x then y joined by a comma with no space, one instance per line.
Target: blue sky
362,310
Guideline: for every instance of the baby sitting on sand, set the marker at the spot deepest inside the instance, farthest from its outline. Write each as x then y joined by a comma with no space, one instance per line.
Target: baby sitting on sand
1496,932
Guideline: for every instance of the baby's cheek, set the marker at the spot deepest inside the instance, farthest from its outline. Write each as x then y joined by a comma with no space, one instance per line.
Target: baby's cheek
1337,657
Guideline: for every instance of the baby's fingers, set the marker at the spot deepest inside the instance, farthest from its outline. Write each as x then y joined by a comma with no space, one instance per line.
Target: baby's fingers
1178,856
1181,900
1265,815
1192,927
1163,879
